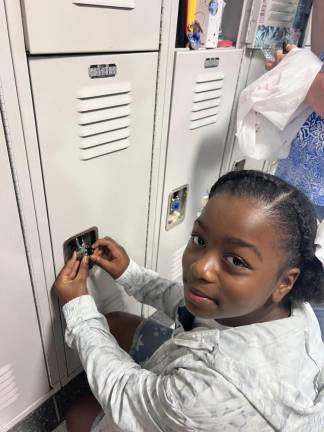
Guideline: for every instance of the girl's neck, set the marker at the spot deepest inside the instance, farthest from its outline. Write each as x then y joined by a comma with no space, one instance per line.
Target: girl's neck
267,313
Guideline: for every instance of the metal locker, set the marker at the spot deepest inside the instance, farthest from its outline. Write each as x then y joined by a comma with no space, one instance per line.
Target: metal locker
203,91
95,139
71,26
23,374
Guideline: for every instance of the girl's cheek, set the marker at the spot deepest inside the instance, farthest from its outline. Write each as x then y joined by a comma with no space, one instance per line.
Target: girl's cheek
189,254
238,292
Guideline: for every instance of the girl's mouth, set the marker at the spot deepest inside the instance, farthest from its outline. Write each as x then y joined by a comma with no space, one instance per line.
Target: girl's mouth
196,296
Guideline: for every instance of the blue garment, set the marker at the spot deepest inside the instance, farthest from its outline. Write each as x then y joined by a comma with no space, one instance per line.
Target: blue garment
148,337
319,312
304,166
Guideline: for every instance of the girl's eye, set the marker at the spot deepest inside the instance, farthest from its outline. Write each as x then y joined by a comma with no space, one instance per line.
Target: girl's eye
197,240
236,261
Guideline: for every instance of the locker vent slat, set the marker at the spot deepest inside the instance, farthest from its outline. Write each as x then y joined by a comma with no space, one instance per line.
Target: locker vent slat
204,105
176,264
281,17
93,152
104,119
103,90
104,126
281,13
204,113
93,141
212,76
120,4
103,102
8,387
203,122
212,94
206,99
103,114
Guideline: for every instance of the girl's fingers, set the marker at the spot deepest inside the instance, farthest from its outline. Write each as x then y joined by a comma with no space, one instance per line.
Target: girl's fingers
83,270
98,251
105,242
75,269
101,262
290,47
279,55
67,269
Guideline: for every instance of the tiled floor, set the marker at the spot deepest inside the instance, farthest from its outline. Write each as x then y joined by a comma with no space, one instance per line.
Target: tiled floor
49,416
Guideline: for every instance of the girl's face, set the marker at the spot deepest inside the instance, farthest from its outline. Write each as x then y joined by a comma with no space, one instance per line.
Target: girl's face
232,266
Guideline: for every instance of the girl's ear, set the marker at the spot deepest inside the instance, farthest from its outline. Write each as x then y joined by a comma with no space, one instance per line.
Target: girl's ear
285,284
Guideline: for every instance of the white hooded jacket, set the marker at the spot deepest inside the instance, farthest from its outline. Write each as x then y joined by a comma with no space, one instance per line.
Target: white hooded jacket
255,378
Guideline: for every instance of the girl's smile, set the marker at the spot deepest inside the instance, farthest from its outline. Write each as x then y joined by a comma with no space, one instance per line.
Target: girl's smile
232,265
200,297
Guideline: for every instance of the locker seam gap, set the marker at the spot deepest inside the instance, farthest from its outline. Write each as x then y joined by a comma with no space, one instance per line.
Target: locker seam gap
232,118
162,170
24,230
153,141
49,223
86,54
22,224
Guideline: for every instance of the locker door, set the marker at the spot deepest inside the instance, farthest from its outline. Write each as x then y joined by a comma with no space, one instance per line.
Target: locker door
95,138
70,26
23,375
203,91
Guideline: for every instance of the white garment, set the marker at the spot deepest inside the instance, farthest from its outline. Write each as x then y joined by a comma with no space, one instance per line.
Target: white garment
256,378
208,323
319,242
271,110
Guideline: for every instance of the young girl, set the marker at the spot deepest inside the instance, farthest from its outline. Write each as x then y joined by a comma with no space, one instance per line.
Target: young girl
246,354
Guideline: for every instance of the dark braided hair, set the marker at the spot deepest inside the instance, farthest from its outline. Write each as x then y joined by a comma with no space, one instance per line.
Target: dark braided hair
295,217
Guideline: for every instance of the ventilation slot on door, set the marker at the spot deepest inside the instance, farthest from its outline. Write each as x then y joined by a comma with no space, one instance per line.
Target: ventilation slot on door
120,4
206,99
281,13
104,119
8,387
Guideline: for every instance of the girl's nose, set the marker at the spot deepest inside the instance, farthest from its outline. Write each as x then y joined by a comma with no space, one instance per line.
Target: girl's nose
206,268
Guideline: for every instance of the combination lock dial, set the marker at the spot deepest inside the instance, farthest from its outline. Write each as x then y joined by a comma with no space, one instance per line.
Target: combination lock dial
81,244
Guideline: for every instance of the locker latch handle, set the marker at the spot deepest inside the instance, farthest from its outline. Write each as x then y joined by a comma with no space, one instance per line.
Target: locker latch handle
120,4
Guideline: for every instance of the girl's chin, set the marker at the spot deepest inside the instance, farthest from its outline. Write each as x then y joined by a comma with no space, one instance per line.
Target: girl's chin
199,311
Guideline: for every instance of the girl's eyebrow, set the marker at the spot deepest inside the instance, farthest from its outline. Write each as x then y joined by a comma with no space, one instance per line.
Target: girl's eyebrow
242,243
201,224
235,241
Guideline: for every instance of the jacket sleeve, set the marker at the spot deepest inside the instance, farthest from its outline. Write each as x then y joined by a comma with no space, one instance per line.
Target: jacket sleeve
133,399
151,289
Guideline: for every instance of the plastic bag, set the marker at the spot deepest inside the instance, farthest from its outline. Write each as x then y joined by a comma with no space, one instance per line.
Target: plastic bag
272,109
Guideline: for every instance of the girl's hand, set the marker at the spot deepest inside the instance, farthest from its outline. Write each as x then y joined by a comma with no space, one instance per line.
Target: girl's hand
110,256
279,55
72,279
